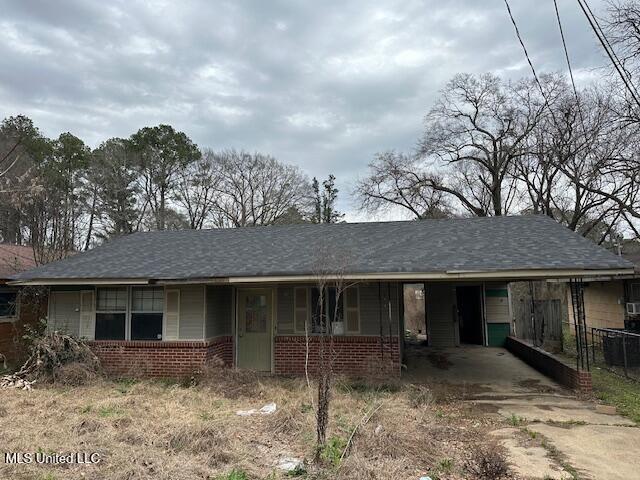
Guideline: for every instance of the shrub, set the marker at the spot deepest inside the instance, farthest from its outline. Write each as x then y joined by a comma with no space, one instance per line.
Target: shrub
487,463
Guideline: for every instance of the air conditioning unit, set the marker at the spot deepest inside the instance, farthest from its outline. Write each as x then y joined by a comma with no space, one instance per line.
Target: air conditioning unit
633,308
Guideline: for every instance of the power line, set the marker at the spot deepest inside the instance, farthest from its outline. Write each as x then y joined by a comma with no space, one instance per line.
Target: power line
610,53
566,54
526,54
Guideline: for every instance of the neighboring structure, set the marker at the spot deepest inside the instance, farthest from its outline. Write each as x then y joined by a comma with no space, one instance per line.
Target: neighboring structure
14,315
163,303
614,302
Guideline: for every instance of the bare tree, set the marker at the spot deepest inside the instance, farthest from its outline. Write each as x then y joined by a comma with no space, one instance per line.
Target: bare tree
256,189
197,187
479,126
330,285
399,180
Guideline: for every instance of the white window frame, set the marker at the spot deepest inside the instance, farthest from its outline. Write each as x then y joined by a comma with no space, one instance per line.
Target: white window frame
128,311
125,311
132,310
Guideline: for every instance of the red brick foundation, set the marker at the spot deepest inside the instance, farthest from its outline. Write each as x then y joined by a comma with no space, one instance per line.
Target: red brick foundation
352,355
551,366
160,359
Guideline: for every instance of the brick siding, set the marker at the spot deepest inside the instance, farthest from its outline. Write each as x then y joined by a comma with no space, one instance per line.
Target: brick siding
160,359
551,366
353,355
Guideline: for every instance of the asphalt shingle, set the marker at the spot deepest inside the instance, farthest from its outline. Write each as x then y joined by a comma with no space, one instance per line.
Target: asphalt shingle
427,246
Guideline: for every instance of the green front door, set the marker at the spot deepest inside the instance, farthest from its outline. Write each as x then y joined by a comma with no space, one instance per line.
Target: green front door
254,329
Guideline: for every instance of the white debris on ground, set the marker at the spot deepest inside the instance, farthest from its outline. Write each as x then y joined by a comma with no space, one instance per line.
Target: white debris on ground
14,381
290,464
268,409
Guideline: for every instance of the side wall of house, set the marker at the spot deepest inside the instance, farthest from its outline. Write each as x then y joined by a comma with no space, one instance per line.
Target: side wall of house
442,318
603,303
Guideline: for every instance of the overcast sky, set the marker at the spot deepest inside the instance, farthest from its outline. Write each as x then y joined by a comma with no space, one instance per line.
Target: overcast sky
323,85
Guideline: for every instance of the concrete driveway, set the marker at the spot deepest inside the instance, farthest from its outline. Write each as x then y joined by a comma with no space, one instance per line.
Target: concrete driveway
549,432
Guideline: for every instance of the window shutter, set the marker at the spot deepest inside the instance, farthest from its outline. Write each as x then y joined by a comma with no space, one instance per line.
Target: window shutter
352,303
87,315
171,314
301,309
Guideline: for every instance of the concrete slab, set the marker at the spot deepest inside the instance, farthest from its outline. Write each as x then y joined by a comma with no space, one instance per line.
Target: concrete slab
561,410
494,368
532,462
597,451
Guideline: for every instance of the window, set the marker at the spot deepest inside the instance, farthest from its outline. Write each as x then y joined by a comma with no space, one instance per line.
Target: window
111,313
147,306
331,311
635,292
8,304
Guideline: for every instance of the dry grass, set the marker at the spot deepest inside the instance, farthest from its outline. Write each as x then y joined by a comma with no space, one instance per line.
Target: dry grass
162,430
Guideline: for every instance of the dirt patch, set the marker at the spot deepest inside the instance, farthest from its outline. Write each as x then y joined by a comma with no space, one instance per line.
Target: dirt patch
439,360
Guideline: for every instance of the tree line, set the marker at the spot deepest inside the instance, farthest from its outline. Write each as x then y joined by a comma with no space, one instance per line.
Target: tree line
536,145
60,196
492,147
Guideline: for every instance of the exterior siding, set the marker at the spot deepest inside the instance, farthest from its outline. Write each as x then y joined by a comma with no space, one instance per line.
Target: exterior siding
64,312
497,303
442,324
603,303
374,298
220,309
192,307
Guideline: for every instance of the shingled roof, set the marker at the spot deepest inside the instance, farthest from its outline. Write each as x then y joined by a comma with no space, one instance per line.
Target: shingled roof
496,244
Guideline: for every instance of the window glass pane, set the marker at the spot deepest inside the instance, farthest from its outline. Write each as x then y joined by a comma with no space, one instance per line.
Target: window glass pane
256,313
146,326
8,304
112,299
147,299
301,297
110,326
635,292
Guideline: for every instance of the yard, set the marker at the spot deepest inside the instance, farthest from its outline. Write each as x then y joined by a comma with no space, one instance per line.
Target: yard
455,412
153,429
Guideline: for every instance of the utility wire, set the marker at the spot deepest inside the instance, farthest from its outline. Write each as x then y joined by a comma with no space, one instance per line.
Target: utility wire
612,56
613,52
566,55
533,70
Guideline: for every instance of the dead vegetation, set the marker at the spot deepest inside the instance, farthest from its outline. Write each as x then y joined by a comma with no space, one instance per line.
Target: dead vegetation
150,429
55,358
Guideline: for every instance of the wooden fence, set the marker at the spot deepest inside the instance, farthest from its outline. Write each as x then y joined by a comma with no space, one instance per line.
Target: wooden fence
540,324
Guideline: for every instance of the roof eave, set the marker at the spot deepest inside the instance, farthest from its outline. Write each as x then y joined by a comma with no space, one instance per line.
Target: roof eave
396,276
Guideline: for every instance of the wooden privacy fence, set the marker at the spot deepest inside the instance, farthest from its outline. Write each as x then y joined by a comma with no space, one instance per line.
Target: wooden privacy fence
540,324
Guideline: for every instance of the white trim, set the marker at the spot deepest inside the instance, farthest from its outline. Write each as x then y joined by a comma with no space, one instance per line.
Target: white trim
448,275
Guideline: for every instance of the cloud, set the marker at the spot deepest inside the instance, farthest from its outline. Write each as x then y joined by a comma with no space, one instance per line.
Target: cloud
323,85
